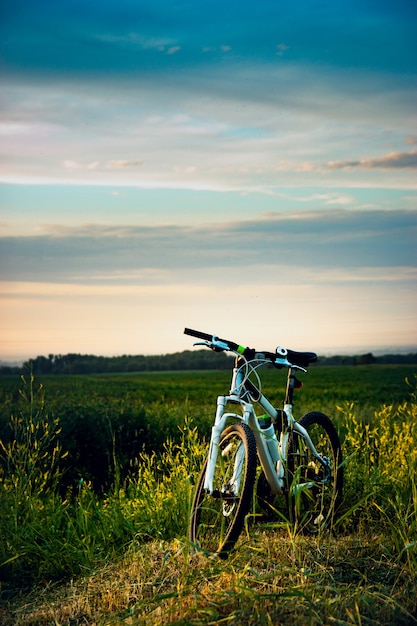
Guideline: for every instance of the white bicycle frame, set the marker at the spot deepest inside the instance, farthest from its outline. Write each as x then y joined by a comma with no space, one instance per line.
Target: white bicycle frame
274,469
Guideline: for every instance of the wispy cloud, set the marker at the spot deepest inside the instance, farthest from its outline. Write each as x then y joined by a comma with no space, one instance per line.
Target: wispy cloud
173,49
393,160
331,239
122,163
94,165
281,48
140,40
221,48
273,126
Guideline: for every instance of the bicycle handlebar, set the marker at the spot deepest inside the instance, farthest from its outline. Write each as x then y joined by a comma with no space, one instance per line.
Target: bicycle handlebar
198,334
281,358
216,342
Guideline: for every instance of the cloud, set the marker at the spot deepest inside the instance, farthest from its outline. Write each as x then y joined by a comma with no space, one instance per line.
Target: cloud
330,239
139,40
242,126
173,49
94,165
281,48
222,48
393,160
123,163
76,165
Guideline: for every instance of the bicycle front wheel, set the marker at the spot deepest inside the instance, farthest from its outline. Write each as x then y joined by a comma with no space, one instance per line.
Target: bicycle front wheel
315,489
217,519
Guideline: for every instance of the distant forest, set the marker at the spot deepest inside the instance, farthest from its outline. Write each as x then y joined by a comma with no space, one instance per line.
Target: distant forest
187,360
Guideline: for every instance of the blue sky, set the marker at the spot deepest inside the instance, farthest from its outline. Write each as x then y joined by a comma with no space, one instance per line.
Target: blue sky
248,169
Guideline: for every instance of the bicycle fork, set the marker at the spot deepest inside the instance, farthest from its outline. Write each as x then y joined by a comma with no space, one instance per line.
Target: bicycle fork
216,431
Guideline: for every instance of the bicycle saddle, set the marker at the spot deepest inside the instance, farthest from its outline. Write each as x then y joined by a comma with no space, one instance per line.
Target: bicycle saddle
303,359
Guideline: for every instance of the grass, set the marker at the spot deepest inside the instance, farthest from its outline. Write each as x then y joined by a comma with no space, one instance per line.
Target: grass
271,579
123,558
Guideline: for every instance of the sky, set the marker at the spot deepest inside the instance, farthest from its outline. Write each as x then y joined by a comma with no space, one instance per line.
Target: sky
247,169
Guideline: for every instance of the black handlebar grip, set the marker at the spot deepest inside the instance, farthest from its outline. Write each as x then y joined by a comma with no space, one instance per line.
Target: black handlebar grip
198,334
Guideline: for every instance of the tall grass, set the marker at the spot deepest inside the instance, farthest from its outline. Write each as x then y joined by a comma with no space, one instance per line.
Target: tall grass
135,535
47,536
381,470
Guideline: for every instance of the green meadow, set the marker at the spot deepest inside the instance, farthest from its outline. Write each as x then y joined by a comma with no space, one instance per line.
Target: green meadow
97,476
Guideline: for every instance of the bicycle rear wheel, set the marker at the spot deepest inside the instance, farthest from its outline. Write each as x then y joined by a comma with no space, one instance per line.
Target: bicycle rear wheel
314,490
217,519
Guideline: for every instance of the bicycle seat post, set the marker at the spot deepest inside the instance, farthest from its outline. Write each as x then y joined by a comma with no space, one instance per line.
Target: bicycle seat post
291,385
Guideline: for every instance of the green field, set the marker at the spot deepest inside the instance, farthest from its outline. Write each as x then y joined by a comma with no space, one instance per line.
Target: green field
97,476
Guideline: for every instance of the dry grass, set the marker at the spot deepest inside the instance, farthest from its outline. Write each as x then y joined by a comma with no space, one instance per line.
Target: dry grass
272,578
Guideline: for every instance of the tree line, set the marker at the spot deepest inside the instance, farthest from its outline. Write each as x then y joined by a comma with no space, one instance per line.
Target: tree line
186,360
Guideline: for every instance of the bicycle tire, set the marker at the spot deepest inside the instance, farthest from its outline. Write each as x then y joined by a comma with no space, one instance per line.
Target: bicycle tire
314,494
217,520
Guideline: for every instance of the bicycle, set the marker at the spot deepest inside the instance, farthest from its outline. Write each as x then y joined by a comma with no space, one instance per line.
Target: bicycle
300,460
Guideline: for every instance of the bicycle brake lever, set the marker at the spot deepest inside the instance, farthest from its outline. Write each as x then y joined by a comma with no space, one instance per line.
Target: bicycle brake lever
216,344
